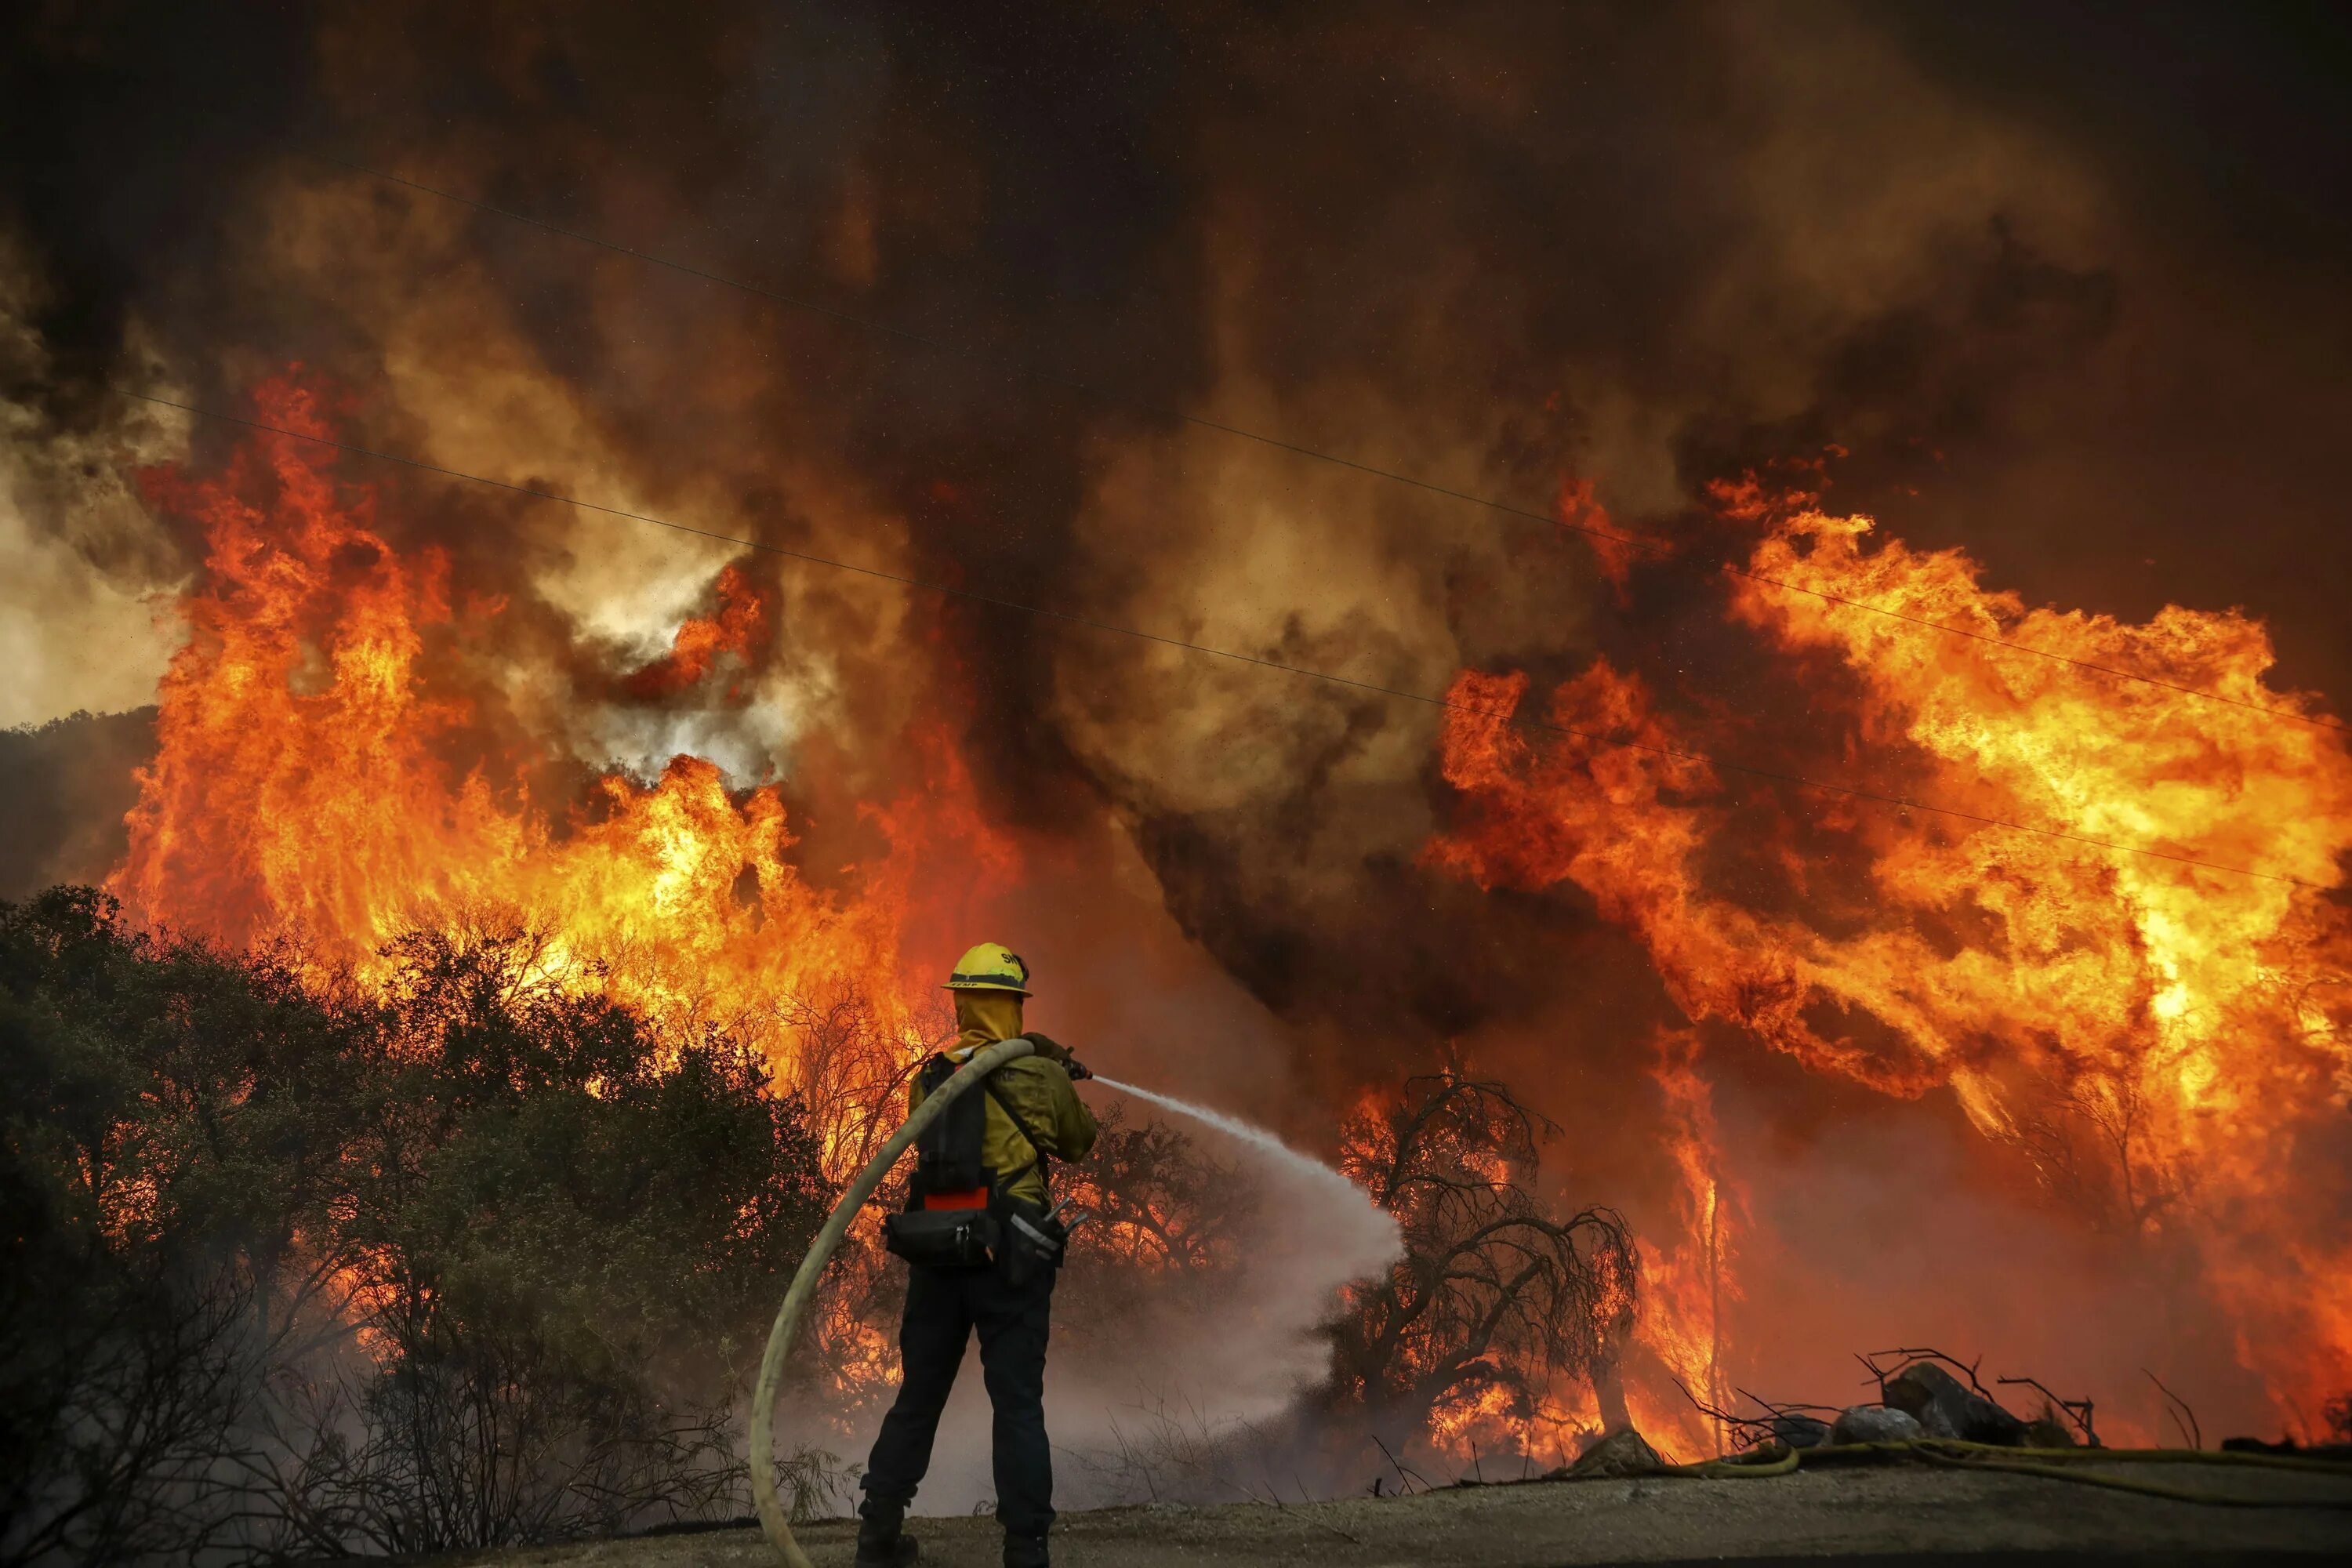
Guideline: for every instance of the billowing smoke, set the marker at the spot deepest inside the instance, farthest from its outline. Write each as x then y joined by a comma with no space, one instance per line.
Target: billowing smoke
1585,263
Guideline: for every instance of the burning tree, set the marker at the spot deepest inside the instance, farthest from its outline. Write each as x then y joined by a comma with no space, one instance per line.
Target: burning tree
1160,1205
1495,1296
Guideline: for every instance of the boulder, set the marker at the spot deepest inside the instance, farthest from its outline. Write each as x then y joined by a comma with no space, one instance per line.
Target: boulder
1945,1407
1875,1423
1623,1452
1799,1431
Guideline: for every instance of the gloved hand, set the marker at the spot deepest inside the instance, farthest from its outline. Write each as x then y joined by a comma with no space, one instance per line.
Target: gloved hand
1049,1047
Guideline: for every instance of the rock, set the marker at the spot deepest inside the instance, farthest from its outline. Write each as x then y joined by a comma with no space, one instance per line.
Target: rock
1623,1452
1945,1407
1800,1431
1933,1418
1875,1423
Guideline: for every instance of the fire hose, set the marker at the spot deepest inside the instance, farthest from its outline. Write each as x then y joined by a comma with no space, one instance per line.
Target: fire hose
1775,1460
2054,1464
779,1529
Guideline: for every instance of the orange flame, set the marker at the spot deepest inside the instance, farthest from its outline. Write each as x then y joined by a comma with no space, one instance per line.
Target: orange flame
332,758
323,765
741,627
2188,1022
1688,1283
1579,511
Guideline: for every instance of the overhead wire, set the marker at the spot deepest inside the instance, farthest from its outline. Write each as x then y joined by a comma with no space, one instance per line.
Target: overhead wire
1090,623
1089,390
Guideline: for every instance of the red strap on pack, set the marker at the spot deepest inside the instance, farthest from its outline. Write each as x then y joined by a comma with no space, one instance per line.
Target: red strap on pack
973,1199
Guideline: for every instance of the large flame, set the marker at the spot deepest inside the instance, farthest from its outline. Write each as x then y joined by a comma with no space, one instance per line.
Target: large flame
2152,1036
324,766
1688,1273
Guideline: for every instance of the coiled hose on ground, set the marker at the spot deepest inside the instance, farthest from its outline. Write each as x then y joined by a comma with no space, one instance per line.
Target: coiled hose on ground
779,1529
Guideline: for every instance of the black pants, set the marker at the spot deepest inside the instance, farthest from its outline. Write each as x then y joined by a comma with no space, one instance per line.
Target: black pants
943,1306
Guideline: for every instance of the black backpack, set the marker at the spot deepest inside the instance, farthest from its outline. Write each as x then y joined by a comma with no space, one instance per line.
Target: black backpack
959,1214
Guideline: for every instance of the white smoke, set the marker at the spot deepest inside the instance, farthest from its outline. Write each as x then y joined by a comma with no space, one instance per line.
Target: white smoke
79,628
1185,1405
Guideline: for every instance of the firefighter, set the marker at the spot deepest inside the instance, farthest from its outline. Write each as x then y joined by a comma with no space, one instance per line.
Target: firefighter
989,1160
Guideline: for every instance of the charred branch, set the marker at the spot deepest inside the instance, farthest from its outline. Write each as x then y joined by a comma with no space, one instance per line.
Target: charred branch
2078,1411
1493,1291
1906,1356
2184,1419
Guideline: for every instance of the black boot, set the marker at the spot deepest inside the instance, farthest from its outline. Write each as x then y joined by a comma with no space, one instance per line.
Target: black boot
1025,1551
882,1540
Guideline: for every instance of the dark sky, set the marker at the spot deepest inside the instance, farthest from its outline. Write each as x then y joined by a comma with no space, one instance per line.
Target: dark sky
2226,116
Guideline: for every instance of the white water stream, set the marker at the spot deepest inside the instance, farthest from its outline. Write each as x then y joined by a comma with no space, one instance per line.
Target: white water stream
1193,1380
1316,1232
1314,1173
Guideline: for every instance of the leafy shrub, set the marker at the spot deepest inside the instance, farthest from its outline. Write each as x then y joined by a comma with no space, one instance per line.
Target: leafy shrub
293,1267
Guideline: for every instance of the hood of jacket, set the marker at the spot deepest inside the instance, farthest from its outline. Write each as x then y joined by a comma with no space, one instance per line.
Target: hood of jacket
984,1017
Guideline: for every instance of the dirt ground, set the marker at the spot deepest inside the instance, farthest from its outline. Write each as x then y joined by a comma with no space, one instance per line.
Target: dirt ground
1853,1513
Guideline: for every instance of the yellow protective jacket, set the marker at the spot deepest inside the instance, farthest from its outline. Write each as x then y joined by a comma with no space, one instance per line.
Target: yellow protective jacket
1038,1087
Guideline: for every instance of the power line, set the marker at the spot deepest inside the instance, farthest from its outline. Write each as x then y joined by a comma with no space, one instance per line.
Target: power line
1067,618
1141,405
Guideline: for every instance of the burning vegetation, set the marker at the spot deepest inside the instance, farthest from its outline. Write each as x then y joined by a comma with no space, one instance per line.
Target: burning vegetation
466,1253
2157,1033
432,1111
1496,1305
1716,919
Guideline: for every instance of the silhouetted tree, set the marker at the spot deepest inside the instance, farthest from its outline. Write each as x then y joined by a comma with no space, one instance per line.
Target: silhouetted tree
1493,1290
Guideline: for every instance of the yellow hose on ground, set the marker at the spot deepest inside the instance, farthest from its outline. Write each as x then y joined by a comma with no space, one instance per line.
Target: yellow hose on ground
2149,1456
778,1529
2122,1483
1781,1464
2052,1463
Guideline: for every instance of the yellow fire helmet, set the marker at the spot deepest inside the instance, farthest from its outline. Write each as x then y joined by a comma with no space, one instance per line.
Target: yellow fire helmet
991,966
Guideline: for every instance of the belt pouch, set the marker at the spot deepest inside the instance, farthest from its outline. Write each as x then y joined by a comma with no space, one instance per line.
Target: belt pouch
943,1238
